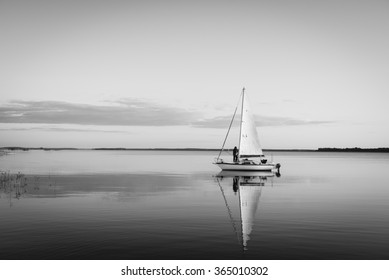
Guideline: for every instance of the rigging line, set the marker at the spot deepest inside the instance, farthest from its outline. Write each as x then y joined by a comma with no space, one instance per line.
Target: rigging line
229,212
225,139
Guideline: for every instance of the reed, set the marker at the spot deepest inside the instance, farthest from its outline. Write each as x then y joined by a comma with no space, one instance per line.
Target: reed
13,183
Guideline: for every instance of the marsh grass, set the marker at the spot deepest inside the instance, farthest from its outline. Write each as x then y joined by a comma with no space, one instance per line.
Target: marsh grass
12,185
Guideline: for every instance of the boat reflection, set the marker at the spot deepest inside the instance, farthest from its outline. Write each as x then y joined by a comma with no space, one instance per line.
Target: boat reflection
248,186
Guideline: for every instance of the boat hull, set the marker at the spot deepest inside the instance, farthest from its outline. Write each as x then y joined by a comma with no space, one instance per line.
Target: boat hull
233,173
246,167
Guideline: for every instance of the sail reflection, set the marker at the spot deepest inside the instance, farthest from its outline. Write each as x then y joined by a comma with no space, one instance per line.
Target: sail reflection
248,186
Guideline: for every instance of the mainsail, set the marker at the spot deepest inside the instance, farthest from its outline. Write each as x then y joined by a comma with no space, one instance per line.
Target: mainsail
249,145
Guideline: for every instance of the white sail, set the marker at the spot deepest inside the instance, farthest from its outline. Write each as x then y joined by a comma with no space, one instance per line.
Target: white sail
249,145
249,198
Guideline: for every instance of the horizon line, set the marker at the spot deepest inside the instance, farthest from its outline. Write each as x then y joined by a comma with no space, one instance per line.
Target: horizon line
321,149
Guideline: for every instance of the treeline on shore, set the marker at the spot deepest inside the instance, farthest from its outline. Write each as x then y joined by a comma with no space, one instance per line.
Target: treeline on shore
355,149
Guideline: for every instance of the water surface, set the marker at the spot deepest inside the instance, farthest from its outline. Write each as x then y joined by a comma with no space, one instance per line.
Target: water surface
170,205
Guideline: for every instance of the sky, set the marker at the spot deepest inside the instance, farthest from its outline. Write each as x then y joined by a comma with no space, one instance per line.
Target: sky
154,74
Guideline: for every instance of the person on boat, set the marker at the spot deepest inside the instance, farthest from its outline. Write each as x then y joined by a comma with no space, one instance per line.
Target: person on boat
235,154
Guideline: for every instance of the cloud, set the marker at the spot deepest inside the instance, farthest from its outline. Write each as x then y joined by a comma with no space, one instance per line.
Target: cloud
224,121
124,112
60,129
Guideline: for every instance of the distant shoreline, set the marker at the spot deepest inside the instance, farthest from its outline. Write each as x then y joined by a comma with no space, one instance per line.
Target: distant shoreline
354,150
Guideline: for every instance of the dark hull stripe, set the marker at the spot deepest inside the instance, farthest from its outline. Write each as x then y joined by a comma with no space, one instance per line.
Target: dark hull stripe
247,156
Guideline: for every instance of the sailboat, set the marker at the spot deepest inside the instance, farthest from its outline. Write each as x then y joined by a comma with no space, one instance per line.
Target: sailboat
250,154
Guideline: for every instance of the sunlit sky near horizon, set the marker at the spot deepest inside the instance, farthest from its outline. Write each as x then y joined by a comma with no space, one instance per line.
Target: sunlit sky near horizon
169,73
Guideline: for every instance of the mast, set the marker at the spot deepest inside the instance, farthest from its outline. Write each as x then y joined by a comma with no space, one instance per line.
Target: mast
241,122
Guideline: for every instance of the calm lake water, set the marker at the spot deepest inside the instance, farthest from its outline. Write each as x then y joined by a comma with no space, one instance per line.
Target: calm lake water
170,205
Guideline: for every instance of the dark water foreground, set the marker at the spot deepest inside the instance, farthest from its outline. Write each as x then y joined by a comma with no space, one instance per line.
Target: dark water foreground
327,206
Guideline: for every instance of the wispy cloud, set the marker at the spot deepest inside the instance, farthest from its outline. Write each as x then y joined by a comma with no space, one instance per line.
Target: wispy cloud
223,122
60,129
125,112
